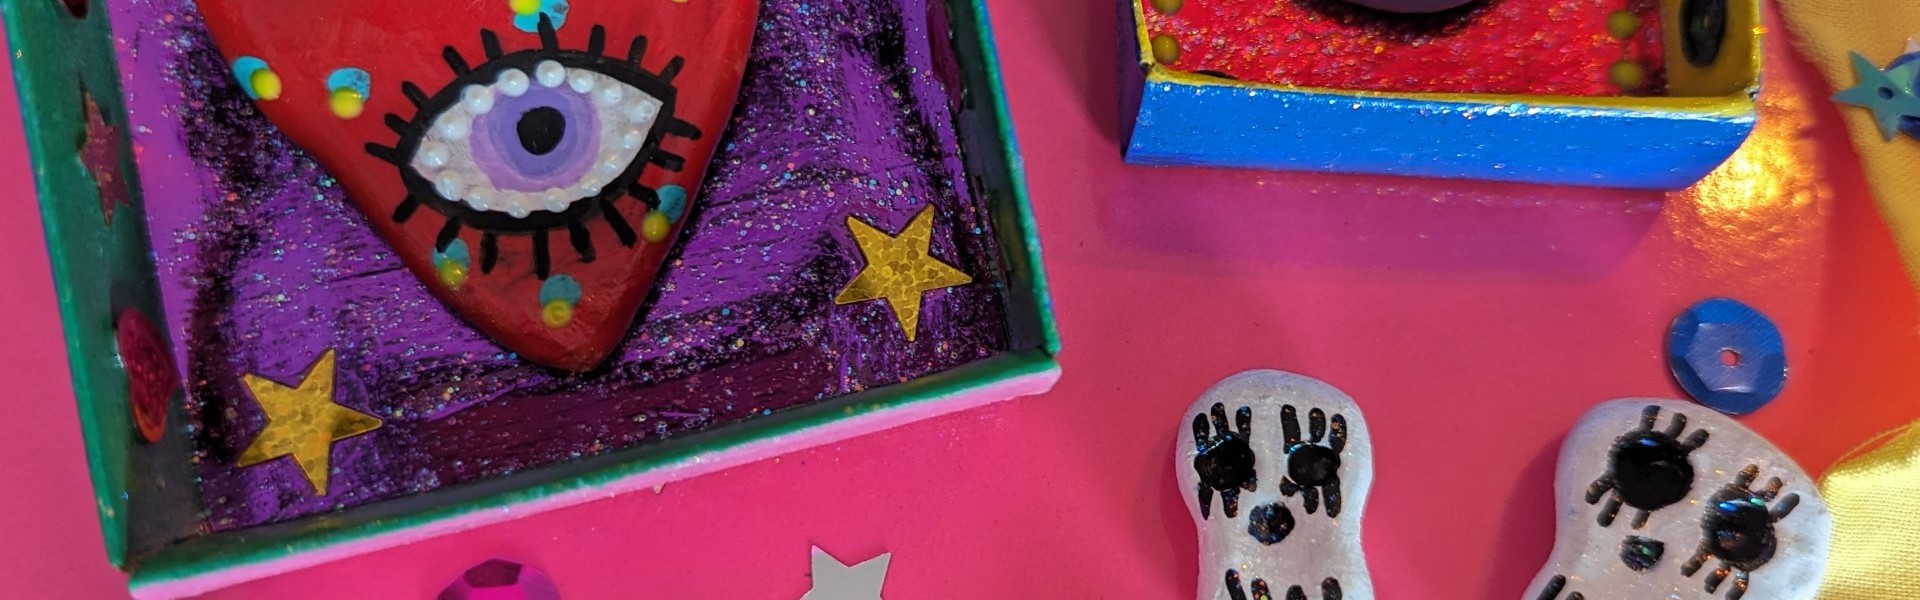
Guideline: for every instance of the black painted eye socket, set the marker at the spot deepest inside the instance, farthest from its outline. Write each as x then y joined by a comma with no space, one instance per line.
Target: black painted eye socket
1227,463
1313,465
1651,470
1703,30
536,140
1740,530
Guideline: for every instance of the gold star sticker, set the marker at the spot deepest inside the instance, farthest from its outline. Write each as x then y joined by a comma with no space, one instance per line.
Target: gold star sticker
303,422
899,269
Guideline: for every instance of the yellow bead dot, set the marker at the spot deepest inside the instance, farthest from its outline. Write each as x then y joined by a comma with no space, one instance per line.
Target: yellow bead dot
524,7
266,84
347,103
1623,24
1167,7
452,273
557,313
1628,75
656,227
1166,50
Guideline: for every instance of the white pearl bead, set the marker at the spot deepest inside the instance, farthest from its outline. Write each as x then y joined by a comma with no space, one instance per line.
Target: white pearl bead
609,165
581,81
433,155
610,95
632,139
477,98
643,110
450,186
550,74
479,198
453,127
556,200
513,82
517,211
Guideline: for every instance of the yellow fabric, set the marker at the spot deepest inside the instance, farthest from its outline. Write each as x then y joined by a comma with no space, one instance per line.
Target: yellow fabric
1826,30
1875,499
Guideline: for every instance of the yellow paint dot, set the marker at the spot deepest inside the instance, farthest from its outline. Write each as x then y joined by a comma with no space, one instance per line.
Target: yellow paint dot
347,103
1167,7
1166,50
656,227
452,273
266,84
557,313
524,7
1628,75
1623,24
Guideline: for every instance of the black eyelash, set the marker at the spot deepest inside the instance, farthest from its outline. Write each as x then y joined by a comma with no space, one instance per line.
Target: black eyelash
537,224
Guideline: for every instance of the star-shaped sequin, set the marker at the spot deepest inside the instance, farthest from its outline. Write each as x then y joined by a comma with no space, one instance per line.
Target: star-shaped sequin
899,269
834,580
1889,94
100,153
303,422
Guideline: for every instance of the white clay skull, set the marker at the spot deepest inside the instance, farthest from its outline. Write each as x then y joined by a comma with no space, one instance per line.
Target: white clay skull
1275,469
1661,499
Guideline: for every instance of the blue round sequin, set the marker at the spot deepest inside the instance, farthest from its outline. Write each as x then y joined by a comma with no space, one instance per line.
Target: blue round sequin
560,287
673,202
555,10
1727,356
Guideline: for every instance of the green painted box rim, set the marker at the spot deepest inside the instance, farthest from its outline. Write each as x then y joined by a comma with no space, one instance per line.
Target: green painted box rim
100,271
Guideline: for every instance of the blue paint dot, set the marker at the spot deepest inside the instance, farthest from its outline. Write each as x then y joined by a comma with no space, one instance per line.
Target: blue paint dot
560,287
243,70
353,78
1727,356
456,253
673,201
555,10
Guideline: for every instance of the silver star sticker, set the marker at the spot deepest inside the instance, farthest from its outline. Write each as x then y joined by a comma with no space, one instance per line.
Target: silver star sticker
1889,98
834,580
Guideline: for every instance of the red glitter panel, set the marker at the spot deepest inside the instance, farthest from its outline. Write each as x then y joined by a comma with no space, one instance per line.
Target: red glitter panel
1543,47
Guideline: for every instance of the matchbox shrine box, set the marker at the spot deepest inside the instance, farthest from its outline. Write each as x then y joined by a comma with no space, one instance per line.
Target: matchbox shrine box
1613,93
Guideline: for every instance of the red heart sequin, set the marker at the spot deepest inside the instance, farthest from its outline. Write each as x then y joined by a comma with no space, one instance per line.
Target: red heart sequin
531,161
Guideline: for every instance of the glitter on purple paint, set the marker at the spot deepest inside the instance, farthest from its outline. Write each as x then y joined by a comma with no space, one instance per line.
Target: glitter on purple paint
843,112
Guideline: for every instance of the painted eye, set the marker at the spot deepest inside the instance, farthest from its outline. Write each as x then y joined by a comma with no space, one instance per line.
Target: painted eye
536,140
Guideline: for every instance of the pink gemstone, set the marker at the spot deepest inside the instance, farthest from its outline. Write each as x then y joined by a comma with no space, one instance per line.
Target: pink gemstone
499,579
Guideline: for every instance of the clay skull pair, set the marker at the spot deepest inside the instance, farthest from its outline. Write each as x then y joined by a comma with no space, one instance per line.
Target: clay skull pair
1655,498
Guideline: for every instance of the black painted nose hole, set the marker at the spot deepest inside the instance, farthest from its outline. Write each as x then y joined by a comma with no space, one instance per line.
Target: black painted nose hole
1225,465
1313,465
1651,471
1270,523
1703,30
77,7
1641,554
541,129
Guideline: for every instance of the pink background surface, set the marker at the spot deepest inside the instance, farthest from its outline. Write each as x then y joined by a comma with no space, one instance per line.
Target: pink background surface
1473,323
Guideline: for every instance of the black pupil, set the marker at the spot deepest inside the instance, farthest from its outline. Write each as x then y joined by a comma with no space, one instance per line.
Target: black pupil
541,129
1705,28
1227,464
1651,471
1313,465
1741,530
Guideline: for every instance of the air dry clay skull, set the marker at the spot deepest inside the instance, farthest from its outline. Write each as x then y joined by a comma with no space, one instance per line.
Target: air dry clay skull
1275,468
1667,499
